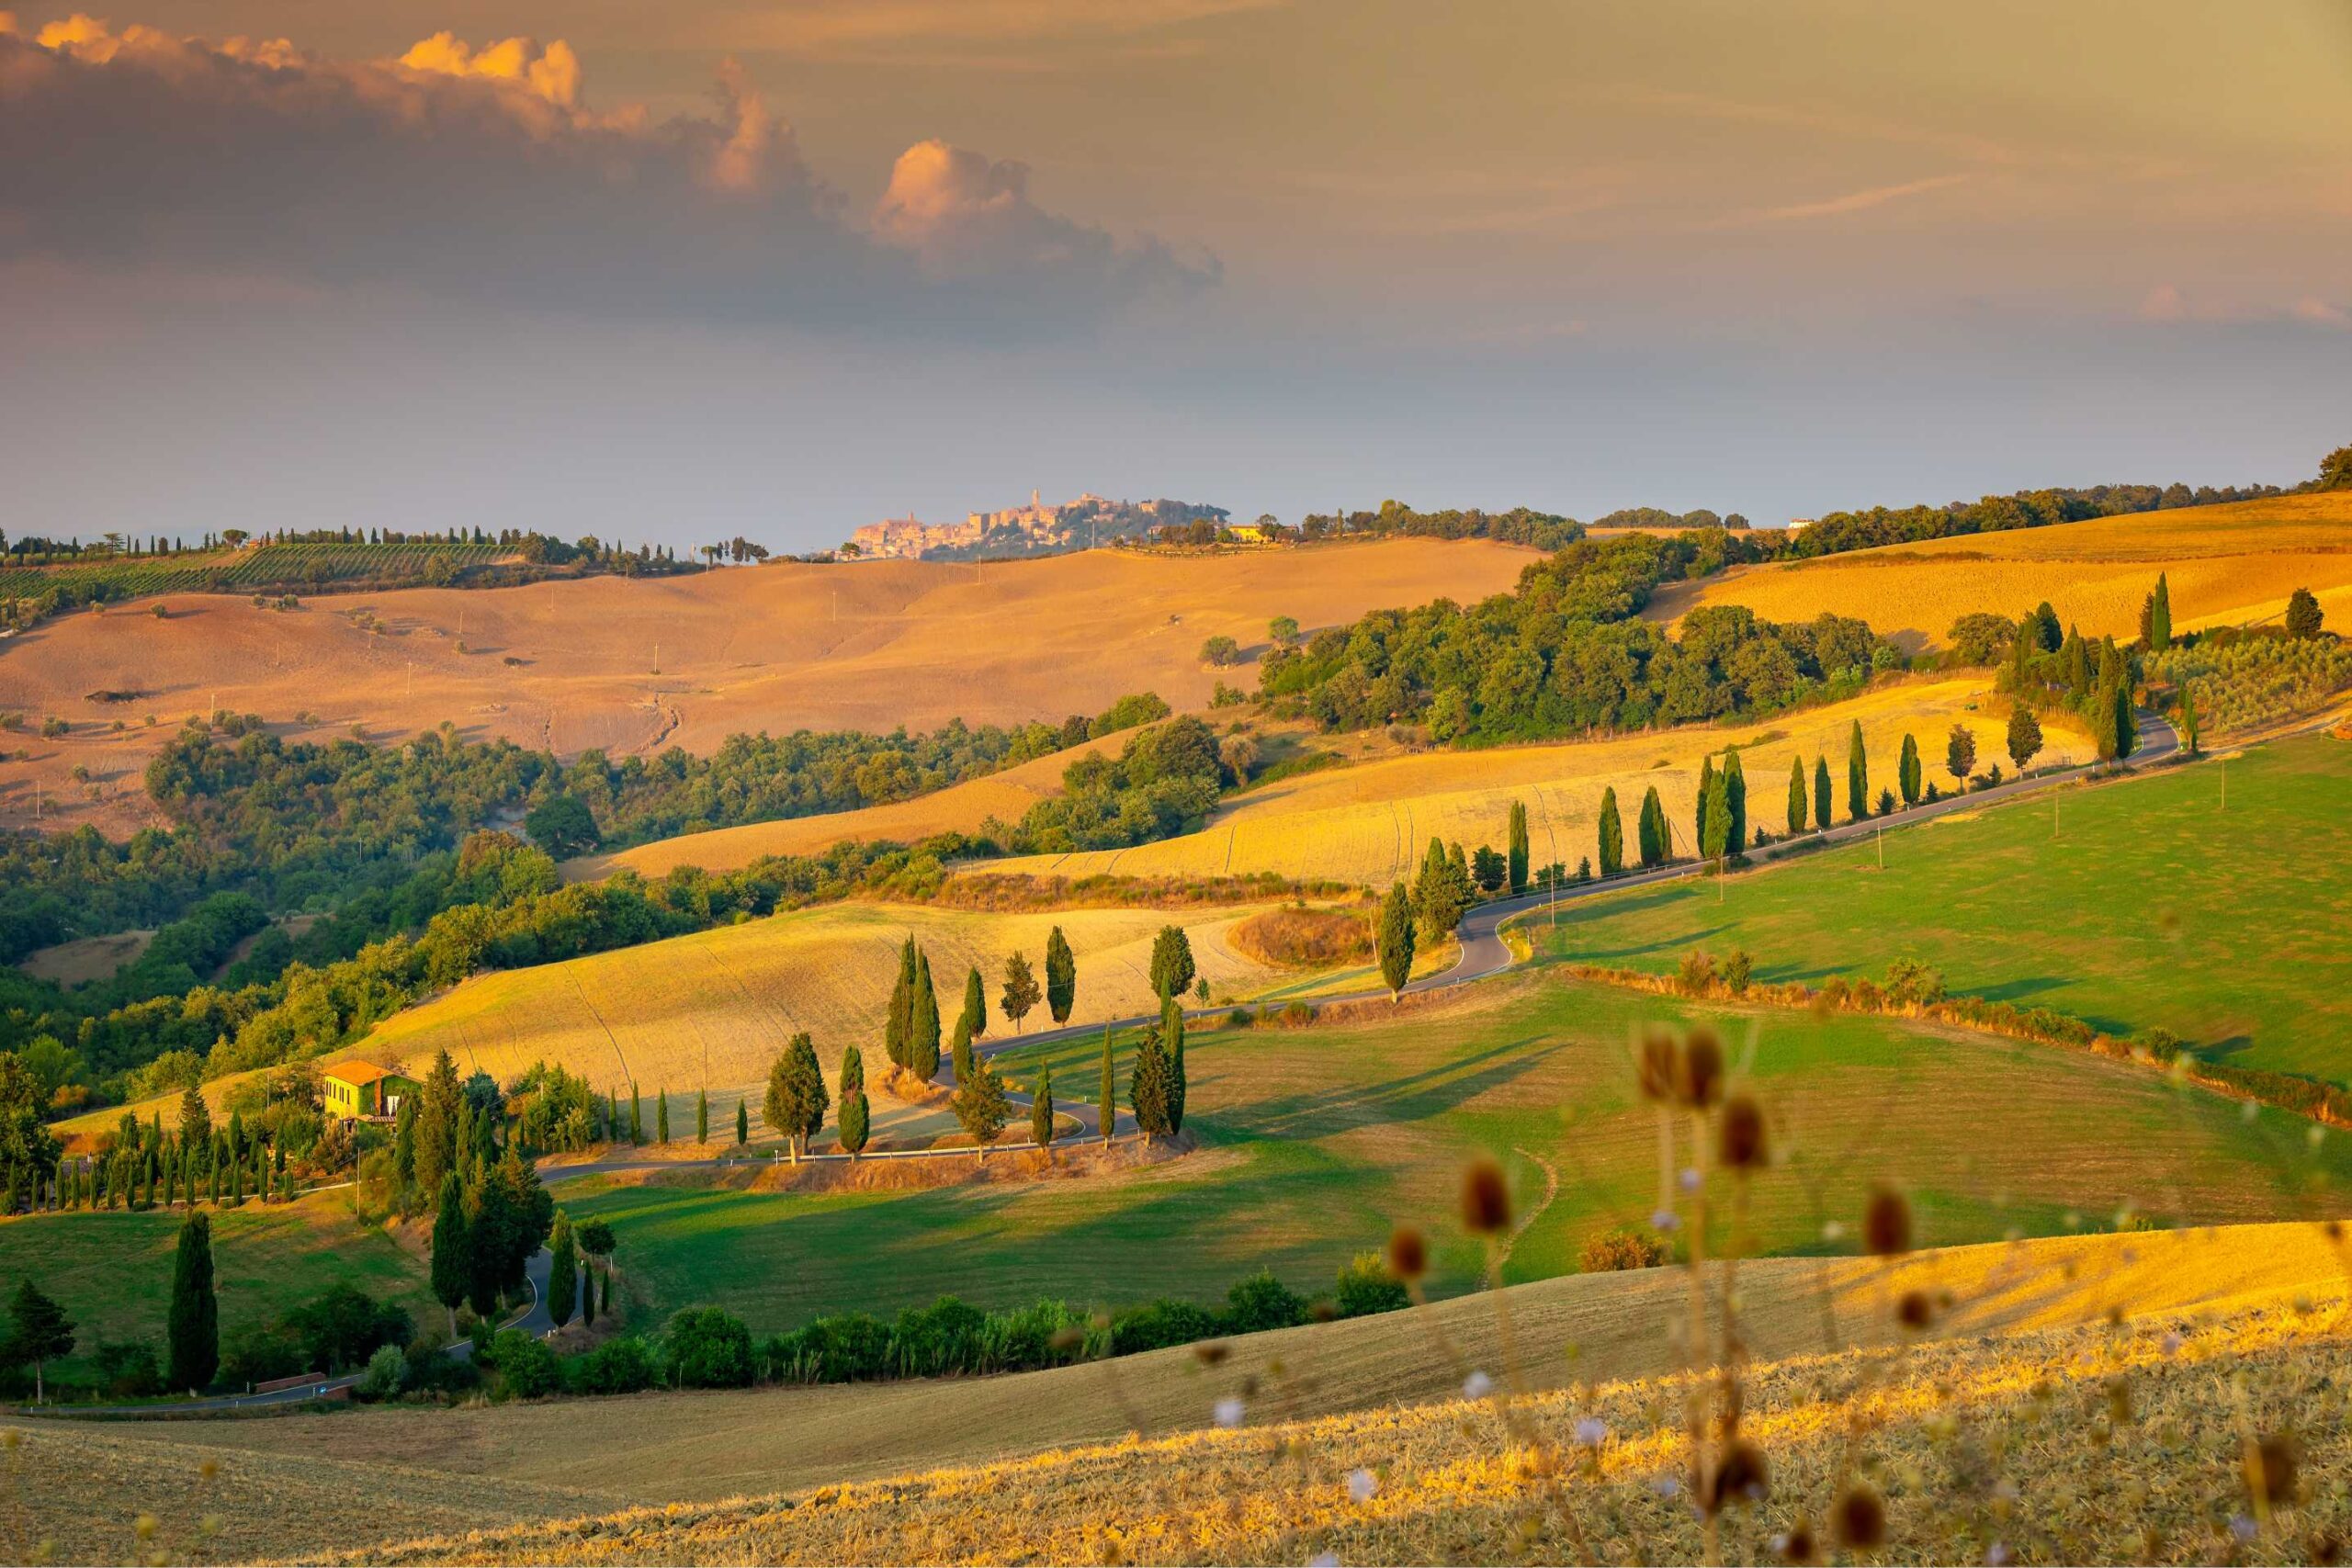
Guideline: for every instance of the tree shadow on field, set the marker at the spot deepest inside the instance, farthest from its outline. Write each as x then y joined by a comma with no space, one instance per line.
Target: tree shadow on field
1415,1096
2232,1045
2027,985
1676,945
1589,911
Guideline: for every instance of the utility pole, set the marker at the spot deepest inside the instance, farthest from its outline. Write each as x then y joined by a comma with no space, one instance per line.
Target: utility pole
2225,784
1882,849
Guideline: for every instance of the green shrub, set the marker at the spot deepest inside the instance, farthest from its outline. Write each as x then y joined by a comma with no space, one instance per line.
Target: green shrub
524,1364
1156,1325
1367,1287
386,1373
618,1366
1262,1302
706,1347
934,1340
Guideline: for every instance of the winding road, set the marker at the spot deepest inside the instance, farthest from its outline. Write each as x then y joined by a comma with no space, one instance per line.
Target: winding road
1484,953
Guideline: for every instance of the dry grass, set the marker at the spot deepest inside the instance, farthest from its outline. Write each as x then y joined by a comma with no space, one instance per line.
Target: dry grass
1382,1394
85,958
1369,823
779,648
960,809
1303,938
2227,564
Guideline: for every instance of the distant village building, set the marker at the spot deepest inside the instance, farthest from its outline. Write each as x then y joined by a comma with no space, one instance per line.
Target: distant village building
1033,529
1798,524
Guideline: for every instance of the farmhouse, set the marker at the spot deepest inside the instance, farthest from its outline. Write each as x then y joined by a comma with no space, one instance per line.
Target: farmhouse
363,1092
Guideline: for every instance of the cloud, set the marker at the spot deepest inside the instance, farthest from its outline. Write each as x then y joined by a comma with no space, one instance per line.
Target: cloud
2319,313
483,172
856,28
1860,200
962,216
2162,303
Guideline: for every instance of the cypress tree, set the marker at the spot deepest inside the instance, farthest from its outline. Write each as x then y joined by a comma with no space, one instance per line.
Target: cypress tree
1736,801
1612,833
1061,977
2160,617
1040,1107
1107,1104
1147,1085
1821,793
1020,992
1699,835
452,1258
636,1116
215,1183
1797,802
195,1118
702,1116
975,1003
194,1327
662,1115
588,1297
959,1052
436,1124
922,1034
1907,771
2187,720
564,1271
1518,846
1858,776
605,1305
2025,733
856,1114
1171,1029
742,1122
1396,947
612,1116
1714,818
899,1029
405,1149
236,1183
1652,828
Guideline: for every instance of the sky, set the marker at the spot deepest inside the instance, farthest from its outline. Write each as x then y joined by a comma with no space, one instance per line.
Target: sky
783,267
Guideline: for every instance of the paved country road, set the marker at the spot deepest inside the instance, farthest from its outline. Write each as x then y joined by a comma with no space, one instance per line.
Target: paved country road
1485,953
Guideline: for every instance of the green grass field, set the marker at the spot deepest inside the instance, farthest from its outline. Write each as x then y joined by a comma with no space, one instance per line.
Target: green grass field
1316,1142
112,1271
2149,907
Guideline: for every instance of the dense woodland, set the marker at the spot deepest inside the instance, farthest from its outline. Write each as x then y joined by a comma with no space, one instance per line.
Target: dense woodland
1564,654
1841,531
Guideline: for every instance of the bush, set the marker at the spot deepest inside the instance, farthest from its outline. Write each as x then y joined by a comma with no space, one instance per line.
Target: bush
431,1368
1698,972
524,1364
386,1373
127,1370
1739,970
1621,1248
1262,1302
1156,1325
851,1347
255,1354
1367,1287
342,1327
942,1337
618,1366
708,1348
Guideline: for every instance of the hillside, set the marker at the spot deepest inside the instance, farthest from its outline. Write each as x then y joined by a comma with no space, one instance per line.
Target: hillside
2227,934
2228,565
958,809
635,665
1372,823
1381,1380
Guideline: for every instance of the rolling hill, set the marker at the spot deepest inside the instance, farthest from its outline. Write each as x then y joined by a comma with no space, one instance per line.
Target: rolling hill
632,665
1372,823
2228,565
1042,1452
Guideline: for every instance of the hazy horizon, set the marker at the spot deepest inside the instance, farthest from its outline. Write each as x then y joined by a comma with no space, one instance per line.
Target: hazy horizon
783,269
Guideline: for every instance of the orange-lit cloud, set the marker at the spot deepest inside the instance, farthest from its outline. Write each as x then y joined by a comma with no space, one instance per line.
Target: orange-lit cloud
484,171
1858,200
840,27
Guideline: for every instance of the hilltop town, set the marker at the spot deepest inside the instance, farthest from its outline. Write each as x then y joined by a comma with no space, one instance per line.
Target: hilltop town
1035,529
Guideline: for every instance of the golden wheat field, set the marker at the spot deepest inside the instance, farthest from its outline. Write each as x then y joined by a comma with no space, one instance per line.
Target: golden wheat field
2226,565
635,665
1082,1463
960,809
716,1008
1372,823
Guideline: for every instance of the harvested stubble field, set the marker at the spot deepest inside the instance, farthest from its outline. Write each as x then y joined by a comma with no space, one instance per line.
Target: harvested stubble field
718,1006
2228,566
632,665
1047,1455
1371,823
2142,905
113,1269
1316,1142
